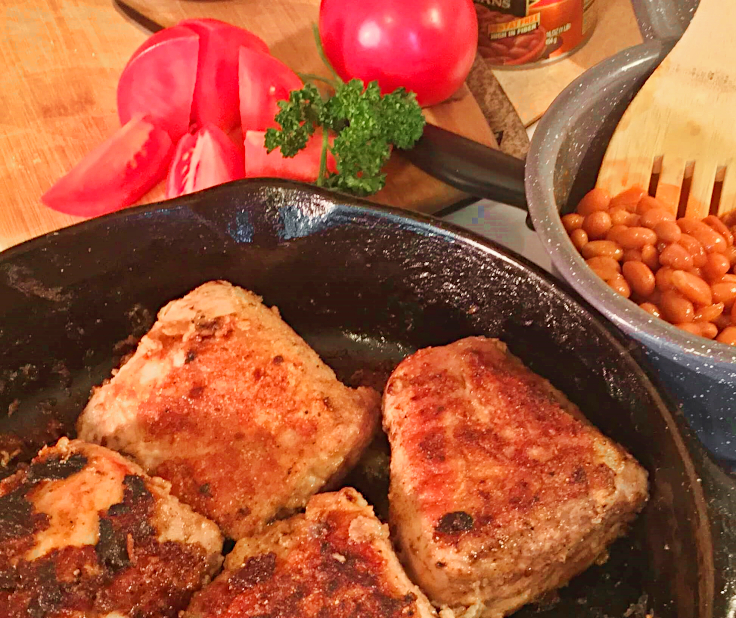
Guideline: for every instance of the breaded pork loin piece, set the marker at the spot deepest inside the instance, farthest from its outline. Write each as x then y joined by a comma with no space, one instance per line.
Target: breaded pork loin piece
84,533
500,489
334,561
224,400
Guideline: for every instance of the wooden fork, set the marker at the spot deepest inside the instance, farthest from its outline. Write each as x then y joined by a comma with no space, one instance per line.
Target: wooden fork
678,136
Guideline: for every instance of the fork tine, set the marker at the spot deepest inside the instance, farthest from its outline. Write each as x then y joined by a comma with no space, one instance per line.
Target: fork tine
626,173
701,190
670,182
728,193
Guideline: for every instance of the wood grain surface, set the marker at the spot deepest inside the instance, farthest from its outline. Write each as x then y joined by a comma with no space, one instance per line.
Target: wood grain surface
681,122
532,90
61,60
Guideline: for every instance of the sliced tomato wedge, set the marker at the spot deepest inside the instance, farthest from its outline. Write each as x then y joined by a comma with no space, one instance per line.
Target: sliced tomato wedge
216,95
263,80
159,80
259,163
116,174
202,160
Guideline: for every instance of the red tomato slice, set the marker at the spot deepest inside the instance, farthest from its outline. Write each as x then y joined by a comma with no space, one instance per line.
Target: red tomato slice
304,166
202,160
159,80
216,96
263,80
116,174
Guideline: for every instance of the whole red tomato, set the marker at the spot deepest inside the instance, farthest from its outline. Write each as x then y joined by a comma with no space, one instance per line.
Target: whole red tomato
426,46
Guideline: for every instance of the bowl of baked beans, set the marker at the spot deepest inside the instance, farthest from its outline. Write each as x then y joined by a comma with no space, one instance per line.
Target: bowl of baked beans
682,270
667,281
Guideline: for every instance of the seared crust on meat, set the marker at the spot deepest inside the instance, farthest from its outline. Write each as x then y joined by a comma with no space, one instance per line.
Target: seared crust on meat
84,533
500,490
335,561
224,400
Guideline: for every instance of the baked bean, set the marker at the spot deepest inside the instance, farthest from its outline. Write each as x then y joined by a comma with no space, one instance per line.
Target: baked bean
730,253
676,308
639,277
733,313
614,232
647,203
651,309
596,248
694,248
579,238
720,227
597,224
692,287
593,201
663,279
628,199
727,335
573,221
701,329
690,327
727,277
716,265
654,216
636,237
605,267
676,256
621,216
711,240
650,257
620,285
667,231
724,292
631,255
709,313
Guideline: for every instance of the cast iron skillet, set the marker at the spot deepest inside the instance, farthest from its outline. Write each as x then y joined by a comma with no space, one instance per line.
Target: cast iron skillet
365,286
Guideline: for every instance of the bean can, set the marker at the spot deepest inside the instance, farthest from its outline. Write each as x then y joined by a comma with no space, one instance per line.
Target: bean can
526,33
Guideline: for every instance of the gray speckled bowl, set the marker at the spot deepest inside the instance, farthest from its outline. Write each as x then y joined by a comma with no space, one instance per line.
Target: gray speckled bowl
566,153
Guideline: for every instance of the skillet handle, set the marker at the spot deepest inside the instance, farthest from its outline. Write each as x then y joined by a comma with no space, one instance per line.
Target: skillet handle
469,166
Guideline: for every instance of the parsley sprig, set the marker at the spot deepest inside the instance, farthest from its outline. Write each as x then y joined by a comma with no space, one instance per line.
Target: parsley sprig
365,123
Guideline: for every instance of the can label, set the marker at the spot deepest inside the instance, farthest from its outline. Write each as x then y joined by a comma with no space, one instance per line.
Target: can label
519,32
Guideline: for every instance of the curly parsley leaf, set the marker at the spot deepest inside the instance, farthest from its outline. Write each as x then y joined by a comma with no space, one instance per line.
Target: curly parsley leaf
298,117
366,125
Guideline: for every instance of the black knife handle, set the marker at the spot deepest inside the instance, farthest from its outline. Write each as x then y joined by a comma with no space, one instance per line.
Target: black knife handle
469,166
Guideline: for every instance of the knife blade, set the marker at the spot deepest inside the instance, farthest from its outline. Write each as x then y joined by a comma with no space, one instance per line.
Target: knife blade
137,17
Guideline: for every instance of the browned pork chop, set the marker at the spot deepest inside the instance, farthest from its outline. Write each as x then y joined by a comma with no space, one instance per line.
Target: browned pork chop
231,406
334,561
500,490
85,534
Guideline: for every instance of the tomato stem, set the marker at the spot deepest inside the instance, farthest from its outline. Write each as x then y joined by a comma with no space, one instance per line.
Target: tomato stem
312,77
323,158
321,50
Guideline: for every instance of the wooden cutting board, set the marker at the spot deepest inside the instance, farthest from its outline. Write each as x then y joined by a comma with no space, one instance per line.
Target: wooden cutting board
60,64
